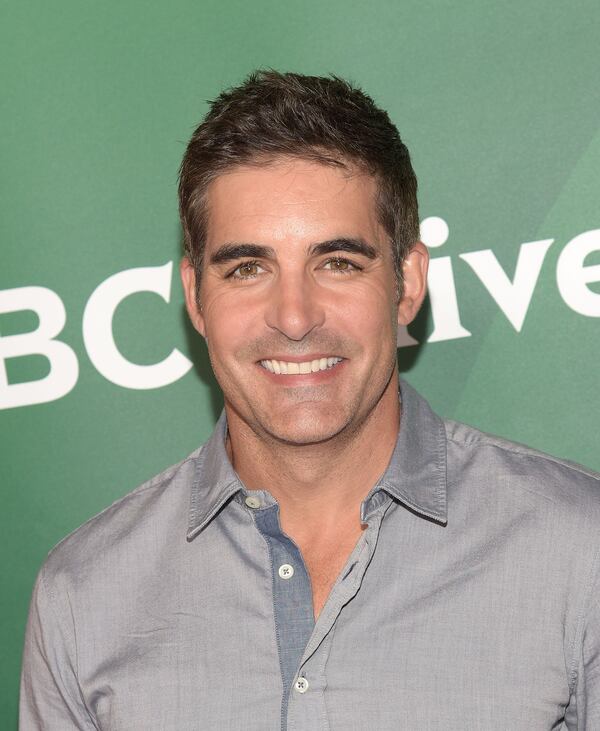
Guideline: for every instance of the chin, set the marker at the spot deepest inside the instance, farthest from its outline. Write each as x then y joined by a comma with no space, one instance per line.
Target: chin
305,429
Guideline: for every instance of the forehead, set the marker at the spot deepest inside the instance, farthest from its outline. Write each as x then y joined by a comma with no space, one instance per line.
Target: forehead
291,200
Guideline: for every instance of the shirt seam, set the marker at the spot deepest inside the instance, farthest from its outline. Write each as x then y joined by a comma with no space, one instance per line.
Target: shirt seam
578,638
71,635
442,468
154,483
326,711
526,452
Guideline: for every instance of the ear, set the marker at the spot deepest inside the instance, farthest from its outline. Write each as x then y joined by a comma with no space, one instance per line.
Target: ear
188,280
414,274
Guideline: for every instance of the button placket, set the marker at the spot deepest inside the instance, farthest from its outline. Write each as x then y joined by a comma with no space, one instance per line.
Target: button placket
292,601
341,593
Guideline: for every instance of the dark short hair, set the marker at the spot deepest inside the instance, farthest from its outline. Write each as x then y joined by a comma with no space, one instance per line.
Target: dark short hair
322,119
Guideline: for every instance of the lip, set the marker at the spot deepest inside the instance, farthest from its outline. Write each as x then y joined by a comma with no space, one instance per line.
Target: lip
302,379
300,358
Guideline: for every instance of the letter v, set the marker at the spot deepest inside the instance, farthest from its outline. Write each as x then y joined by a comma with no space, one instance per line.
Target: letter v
514,297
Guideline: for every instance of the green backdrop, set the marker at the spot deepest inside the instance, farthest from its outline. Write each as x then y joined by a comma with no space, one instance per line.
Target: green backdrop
499,104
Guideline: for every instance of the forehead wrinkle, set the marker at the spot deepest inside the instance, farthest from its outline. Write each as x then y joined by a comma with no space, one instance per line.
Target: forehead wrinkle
313,208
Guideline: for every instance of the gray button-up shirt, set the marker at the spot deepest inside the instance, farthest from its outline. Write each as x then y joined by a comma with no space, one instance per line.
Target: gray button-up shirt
470,602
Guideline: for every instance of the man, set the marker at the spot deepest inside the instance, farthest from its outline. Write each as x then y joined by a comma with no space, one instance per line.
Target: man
336,556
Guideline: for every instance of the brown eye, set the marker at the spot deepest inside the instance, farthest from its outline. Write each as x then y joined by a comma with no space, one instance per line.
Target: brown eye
247,270
340,265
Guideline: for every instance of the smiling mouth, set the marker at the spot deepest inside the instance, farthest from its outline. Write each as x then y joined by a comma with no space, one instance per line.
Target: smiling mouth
287,368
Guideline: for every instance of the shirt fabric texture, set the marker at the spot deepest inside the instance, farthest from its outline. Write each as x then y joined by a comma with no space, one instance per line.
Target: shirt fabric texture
470,602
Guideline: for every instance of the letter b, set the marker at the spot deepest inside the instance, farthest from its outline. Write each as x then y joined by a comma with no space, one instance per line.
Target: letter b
64,368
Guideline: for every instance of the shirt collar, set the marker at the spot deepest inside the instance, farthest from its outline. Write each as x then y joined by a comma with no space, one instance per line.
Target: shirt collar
415,475
215,480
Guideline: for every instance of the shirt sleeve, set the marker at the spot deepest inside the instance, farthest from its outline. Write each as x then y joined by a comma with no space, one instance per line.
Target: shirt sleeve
583,713
50,698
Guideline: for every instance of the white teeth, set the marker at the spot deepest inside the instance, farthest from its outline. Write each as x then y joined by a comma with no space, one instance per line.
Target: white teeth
281,367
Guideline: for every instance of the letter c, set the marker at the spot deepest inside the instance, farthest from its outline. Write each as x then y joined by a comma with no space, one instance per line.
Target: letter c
98,335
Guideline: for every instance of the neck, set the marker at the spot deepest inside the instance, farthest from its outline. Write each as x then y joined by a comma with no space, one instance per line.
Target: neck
319,487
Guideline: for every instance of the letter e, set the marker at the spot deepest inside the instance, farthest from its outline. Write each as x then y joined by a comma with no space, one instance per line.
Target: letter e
572,276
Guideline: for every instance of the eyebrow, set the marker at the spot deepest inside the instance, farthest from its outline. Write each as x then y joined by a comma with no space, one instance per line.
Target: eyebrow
231,252
351,246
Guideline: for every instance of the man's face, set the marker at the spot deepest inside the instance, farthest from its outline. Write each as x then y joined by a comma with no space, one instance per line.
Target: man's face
298,299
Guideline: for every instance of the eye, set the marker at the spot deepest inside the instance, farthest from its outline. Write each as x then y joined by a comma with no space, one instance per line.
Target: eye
341,265
247,270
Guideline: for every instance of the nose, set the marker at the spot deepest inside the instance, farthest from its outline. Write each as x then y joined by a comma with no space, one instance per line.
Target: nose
295,306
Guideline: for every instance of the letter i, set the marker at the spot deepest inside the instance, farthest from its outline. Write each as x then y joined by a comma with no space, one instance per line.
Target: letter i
442,289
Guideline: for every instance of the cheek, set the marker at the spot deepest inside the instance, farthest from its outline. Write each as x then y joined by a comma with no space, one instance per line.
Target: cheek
369,311
230,319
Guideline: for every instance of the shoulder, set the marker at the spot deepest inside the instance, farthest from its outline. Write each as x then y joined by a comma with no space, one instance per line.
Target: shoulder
505,463
137,522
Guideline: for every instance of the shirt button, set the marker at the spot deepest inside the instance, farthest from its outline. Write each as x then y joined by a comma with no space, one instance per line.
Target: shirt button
301,685
286,571
252,502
